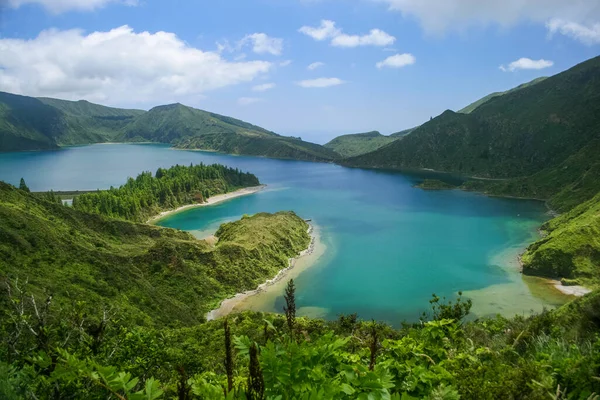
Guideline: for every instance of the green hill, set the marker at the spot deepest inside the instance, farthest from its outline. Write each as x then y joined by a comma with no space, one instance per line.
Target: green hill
471,107
358,143
190,128
28,123
156,276
519,134
571,248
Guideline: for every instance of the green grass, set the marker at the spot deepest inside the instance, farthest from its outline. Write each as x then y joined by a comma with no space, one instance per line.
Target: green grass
571,247
473,106
358,143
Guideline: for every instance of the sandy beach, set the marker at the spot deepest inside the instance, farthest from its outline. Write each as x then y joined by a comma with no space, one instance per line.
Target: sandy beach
571,290
305,259
210,201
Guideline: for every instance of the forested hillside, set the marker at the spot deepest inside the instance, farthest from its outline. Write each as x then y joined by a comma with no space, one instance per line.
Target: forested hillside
518,134
358,143
147,195
27,123
154,276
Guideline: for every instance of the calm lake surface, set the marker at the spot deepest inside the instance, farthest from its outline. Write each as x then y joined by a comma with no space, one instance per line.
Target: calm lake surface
389,246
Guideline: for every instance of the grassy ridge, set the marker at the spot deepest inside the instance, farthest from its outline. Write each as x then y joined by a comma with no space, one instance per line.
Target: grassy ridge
571,247
155,276
473,106
358,143
273,147
27,123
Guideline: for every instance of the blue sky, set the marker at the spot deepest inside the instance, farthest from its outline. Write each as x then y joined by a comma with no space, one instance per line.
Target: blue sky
249,58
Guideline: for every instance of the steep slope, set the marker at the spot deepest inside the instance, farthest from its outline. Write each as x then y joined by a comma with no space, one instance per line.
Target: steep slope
358,143
403,132
156,276
515,135
571,248
565,185
27,123
91,122
190,128
471,107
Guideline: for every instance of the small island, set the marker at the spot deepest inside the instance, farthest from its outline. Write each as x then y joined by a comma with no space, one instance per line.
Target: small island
434,184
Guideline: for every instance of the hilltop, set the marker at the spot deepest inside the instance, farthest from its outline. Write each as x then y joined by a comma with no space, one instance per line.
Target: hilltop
358,143
471,107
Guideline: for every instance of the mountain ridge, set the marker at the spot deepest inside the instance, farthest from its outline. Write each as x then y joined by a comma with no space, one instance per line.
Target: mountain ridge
28,123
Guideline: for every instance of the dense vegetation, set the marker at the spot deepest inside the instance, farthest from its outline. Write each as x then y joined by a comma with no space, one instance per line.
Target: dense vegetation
358,143
94,307
28,123
518,134
147,195
571,247
555,355
155,276
471,107
434,184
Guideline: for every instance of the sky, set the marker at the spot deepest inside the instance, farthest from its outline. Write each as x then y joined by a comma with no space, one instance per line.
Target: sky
309,68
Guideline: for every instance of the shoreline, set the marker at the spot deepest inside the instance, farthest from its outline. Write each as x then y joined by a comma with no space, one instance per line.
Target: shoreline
575,290
228,305
219,198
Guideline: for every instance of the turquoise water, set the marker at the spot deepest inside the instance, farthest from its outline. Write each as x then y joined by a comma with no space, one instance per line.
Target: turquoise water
389,245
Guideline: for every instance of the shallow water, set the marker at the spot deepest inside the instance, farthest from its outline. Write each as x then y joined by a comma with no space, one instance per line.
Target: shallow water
389,245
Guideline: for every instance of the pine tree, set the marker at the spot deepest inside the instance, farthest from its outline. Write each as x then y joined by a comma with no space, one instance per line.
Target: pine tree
256,382
23,185
290,305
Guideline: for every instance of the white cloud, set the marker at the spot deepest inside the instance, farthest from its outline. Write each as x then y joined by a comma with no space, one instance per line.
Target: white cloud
285,63
315,65
397,61
59,6
437,16
526,63
118,66
326,30
585,34
264,87
375,37
320,82
246,101
263,43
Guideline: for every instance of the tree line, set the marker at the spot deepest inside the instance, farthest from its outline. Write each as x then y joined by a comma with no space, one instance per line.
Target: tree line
147,195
